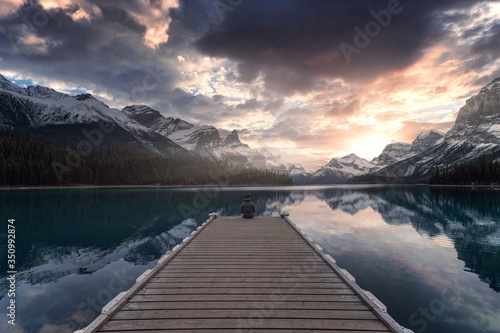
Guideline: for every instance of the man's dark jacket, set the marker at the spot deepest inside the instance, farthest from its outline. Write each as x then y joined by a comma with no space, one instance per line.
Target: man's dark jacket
247,208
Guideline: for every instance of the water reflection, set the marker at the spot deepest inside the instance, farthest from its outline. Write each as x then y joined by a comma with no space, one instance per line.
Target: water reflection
78,248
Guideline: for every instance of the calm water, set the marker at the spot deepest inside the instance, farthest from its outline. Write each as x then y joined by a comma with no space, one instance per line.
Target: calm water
432,256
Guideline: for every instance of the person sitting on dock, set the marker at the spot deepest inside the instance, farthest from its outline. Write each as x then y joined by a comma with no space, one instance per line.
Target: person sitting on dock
247,207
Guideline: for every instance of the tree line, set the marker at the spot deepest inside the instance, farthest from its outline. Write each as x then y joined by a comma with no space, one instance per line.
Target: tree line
479,172
28,161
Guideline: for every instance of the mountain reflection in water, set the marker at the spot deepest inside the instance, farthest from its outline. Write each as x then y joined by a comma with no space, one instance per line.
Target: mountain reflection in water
76,249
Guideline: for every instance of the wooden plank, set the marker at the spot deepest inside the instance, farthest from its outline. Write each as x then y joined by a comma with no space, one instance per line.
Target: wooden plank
194,270
264,252
250,322
243,259
240,330
243,279
246,285
246,298
259,305
242,313
235,265
243,291
288,274
242,263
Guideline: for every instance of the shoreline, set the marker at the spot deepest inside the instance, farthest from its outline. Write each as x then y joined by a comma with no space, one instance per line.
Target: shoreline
105,187
494,187
98,187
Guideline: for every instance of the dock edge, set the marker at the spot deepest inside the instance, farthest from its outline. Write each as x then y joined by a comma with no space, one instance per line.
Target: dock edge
367,297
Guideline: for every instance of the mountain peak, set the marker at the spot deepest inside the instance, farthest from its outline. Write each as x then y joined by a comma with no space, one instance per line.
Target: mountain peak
391,153
351,156
83,97
348,160
143,114
480,106
7,85
425,141
232,138
430,132
3,79
492,84
139,109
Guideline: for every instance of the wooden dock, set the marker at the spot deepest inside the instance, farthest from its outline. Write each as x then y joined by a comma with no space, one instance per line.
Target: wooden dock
238,275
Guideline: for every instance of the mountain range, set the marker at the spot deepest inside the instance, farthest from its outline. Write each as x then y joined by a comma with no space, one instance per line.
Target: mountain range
476,132
82,120
76,119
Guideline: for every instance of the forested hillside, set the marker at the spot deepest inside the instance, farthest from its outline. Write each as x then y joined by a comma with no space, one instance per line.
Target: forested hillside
25,160
480,172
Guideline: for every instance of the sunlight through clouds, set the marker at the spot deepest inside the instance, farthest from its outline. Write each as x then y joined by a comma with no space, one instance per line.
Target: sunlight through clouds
156,19
9,6
80,10
284,73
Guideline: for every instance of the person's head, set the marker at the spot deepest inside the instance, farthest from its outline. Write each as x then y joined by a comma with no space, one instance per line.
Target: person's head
247,197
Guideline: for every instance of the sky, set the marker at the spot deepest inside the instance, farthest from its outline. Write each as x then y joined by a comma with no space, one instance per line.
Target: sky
315,79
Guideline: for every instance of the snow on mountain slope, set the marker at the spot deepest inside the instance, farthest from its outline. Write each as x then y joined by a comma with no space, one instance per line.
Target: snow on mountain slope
338,170
476,132
276,163
398,151
66,118
232,149
154,120
424,142
393,152
197,137
204,140
50,107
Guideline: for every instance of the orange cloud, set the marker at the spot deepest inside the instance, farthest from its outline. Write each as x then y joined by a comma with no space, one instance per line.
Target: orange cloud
156,20
9,6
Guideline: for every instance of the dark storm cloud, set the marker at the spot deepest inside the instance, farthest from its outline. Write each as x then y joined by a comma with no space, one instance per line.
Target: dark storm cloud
484,49
293,43
489,45
199,109
106,53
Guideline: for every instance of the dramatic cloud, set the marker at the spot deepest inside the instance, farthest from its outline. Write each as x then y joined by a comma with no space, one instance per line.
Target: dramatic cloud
317,79
294,43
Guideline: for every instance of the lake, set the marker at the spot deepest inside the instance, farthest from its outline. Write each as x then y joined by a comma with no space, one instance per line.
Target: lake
431,255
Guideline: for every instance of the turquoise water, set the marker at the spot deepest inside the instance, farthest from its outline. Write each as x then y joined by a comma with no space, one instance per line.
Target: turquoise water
431,255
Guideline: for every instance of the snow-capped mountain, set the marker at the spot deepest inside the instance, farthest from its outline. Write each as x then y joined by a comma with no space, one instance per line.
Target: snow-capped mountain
154,120
393,152
74,119
71,119
425,141
207,142
337,171
204,141
276,163
476,132
398,151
